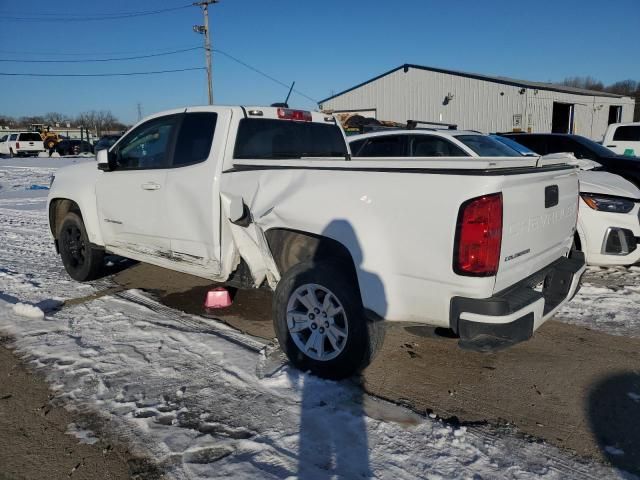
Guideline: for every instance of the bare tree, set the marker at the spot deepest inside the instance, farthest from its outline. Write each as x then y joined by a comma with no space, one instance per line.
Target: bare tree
99,121
588,83
55,118
7,121
625,87
27,121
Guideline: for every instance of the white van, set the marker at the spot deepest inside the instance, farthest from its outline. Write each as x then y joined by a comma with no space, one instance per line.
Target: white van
623,138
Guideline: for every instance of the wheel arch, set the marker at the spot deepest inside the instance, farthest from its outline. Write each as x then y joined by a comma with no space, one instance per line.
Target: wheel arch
58,209
291,247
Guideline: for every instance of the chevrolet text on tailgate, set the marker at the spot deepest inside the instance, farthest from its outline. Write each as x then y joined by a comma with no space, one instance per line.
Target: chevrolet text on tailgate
270,197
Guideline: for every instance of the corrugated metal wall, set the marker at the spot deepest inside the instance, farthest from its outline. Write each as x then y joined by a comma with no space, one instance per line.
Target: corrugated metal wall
476,104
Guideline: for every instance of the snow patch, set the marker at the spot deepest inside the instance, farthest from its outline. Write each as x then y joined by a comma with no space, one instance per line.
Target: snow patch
83,436
26,310
613,450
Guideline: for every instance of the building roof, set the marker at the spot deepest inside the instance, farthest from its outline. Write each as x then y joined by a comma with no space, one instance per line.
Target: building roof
503,80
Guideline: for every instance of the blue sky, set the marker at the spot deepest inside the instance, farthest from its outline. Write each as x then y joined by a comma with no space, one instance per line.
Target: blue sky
325,46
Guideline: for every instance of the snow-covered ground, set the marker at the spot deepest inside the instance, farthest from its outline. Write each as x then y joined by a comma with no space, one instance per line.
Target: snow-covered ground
609,300
206,402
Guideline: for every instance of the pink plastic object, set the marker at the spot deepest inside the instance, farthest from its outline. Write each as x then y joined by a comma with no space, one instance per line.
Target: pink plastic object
218,297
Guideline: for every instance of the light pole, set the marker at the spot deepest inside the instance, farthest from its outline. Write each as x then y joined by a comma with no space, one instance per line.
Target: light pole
204,29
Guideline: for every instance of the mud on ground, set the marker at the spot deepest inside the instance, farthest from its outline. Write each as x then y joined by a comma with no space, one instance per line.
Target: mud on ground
569,386
34,444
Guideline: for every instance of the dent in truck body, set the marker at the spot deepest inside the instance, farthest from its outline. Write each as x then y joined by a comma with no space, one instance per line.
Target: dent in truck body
249,244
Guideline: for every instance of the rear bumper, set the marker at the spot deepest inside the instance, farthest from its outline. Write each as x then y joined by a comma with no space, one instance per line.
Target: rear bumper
512,315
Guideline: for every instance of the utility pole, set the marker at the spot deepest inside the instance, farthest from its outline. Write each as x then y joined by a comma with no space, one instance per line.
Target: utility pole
204,29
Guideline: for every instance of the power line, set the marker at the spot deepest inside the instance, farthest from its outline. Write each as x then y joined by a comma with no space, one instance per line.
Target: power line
92,60
71,17
122,74
125,52
246,65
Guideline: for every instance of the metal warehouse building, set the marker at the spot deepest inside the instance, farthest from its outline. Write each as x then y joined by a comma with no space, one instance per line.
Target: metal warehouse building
481,102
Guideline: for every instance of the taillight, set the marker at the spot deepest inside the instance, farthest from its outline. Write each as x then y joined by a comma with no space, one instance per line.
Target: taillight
17,144
290,114
479,236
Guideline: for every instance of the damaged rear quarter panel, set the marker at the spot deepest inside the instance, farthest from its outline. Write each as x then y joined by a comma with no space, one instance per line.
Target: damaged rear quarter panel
399,228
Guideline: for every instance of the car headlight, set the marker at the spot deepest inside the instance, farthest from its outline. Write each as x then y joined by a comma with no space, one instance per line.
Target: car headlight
606,203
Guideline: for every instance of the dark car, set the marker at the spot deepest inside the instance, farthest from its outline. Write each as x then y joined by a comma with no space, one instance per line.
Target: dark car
72,146
545,143
521,149
106,141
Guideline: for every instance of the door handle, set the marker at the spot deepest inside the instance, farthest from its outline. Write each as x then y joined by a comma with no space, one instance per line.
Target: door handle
150,186
614,146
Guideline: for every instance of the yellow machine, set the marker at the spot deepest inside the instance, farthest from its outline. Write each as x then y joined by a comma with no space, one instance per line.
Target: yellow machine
49,138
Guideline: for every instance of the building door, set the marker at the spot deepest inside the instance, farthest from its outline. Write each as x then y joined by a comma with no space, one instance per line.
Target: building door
562,118
615,114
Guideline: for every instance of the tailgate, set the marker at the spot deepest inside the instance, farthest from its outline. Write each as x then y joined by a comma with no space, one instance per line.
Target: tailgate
539,220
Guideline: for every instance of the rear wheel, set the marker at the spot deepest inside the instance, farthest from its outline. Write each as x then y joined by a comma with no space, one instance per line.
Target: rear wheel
11,153
320,322
80,260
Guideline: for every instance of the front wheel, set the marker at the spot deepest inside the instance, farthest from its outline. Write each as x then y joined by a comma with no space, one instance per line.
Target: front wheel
320,322
81,261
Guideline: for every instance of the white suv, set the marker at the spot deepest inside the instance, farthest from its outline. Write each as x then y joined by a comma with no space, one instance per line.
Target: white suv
24,144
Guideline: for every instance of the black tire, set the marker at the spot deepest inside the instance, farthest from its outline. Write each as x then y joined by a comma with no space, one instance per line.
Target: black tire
80,260
11,153
363,338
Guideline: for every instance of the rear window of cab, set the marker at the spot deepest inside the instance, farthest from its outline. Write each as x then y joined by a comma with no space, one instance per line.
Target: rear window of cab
287,139
30,137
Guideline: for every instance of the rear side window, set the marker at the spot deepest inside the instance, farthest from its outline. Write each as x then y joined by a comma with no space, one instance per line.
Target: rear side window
432,146
281,139
627,133
13,136
385,146
356,146
30,137
195,138
486,146
537,143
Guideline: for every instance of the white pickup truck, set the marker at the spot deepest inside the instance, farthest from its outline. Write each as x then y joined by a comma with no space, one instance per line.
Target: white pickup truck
270,197
623,138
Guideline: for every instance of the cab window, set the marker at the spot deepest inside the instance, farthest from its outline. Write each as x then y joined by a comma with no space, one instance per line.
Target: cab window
433,146
627,133
148,146
195,138
385,146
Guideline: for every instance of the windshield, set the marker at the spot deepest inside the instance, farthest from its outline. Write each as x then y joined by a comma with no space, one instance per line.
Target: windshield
594,147
486,146
521,149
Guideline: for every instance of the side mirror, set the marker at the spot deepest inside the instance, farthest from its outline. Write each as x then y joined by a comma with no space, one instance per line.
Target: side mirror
106,160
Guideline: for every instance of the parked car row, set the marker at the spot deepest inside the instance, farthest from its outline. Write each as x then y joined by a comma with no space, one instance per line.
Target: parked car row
23,144
608,229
